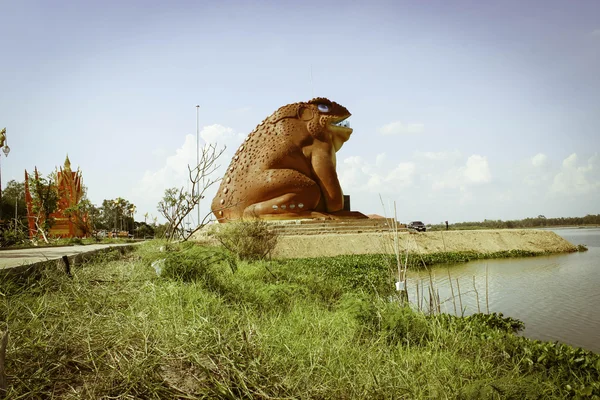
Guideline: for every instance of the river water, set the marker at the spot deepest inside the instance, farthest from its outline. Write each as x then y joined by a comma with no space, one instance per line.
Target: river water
557,297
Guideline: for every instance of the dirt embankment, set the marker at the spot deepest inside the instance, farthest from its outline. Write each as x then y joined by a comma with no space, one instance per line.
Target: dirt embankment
482,241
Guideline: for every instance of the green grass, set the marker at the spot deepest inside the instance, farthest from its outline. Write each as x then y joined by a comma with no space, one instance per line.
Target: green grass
377,262
318,329
419,260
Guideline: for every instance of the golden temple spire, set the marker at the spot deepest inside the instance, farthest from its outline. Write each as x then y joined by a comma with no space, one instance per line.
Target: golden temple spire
67,163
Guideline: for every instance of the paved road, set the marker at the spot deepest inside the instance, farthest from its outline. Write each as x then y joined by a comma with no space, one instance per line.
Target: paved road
18,257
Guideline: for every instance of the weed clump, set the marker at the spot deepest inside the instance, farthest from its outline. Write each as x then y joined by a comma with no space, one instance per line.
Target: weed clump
482,322
582,247
76,241
247,239
396,324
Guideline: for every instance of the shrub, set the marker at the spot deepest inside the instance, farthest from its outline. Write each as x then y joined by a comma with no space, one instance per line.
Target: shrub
144,230
402,325
11,235
397,324
159,231
247,240
362,308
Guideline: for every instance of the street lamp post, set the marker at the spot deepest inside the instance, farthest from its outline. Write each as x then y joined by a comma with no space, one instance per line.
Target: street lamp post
132,211
6,150
116,214
198,153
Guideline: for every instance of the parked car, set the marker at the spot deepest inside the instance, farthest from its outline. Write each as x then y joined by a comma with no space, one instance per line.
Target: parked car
417,226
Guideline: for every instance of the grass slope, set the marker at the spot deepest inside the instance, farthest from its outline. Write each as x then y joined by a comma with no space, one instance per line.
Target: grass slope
318,329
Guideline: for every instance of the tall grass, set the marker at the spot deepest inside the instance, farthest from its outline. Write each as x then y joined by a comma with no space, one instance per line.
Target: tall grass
324,328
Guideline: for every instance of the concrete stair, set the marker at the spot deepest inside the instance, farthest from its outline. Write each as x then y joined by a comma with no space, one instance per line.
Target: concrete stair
339,226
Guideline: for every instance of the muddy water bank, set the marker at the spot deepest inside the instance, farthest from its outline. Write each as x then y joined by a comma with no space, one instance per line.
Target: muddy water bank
556,296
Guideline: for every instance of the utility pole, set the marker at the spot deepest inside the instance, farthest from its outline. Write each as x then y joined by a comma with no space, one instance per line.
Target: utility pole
198,153
6,150
16,217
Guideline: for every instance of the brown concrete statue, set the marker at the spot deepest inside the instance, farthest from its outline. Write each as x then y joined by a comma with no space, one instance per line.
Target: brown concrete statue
286,166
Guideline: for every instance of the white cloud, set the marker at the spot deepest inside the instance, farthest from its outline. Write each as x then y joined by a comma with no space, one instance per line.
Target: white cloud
358,175
399,177
219,134
427,185
536,172
354,160
350,172
570,161
399,128
577,180
438,156
173,173
150,189
539,160
476,171
439,170
596,32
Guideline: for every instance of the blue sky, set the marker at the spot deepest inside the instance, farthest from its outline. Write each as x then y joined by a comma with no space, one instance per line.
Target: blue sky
462,110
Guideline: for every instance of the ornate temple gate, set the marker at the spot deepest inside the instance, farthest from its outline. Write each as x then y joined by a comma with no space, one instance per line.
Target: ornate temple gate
68,220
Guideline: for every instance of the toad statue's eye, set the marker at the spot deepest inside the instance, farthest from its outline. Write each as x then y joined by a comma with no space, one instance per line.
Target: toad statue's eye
323,107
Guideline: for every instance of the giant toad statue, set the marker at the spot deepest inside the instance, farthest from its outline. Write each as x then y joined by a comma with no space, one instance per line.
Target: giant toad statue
285,168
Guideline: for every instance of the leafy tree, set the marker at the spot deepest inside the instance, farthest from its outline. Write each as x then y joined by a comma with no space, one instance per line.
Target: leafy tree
94,216
115,214
13,231
143,230
80,215
14,195
45,200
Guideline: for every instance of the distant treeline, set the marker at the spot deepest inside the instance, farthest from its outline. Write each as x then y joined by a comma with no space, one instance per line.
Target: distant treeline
537,222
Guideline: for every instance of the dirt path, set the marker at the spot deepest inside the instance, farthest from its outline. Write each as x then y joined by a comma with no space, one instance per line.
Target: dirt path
484,241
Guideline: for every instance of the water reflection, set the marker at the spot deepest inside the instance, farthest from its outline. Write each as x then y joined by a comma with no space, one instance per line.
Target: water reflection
556,296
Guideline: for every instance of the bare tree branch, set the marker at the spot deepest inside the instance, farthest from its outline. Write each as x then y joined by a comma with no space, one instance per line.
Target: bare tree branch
177,204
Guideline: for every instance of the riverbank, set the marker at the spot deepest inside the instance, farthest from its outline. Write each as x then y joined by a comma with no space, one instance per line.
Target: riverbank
478,241
320,328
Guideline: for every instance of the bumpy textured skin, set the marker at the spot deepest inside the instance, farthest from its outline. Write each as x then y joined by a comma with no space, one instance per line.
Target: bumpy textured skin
286,165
